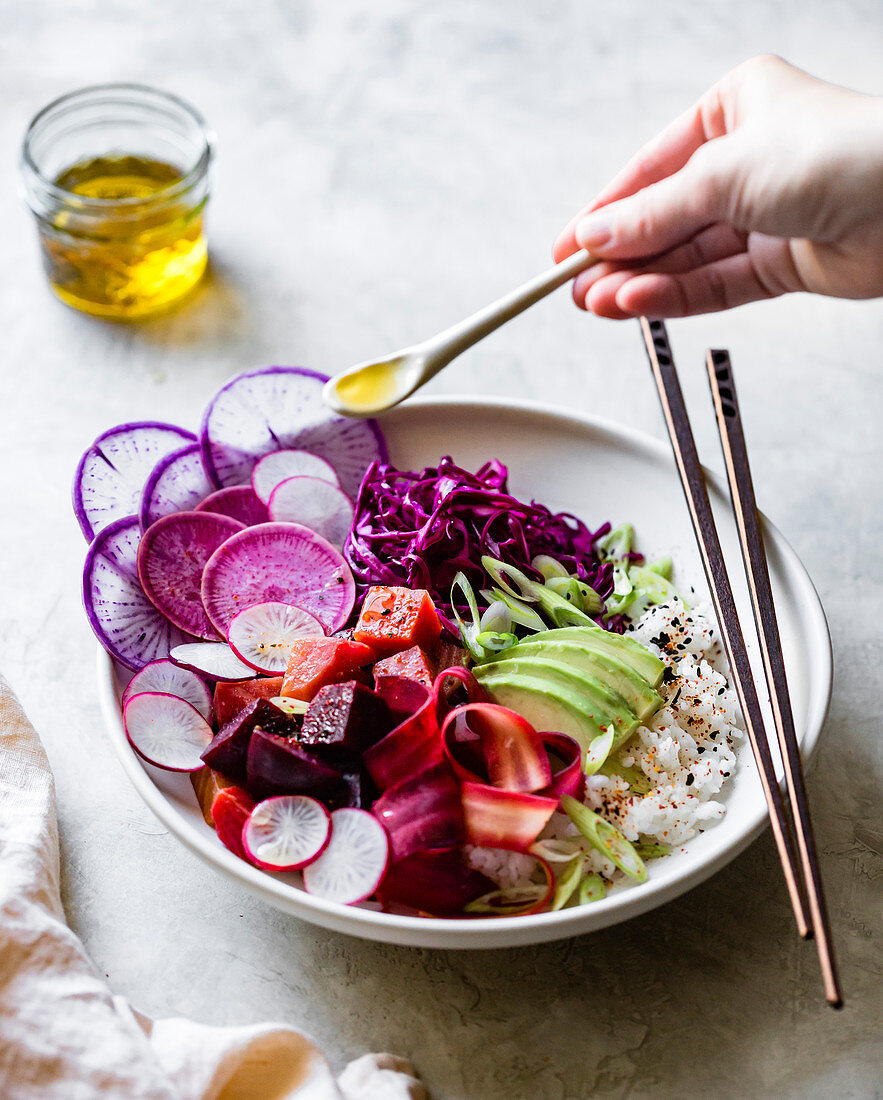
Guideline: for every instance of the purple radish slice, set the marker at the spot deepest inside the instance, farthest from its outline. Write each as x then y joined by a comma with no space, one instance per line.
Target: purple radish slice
238,502
278,563
177,483
168,678
124,620
262,635
278,466
316,504
287,832
166,731
281,408
213,659
110,475
171,558
353,865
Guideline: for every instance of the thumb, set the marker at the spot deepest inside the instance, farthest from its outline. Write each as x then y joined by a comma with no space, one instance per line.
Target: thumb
666,213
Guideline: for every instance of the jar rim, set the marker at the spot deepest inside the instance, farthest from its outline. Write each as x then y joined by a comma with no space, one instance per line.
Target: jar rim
193,175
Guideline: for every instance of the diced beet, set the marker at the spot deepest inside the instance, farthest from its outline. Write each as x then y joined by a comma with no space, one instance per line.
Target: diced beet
393,619
345,719
277,765
440,883
315,662
230,811
206,786
359,790
411,663
422,813
230,698
228,750
404,697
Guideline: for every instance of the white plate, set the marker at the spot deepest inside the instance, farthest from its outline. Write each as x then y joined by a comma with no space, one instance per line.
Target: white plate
599,471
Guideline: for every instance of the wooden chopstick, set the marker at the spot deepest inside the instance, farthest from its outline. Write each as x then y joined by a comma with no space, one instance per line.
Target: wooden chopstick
696,493
726,407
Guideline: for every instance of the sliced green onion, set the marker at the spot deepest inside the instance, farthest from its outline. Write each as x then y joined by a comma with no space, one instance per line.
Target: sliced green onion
555,850
599,750
637,781
567,882
290,706
522,614
559,610
548,567
510,902
652,851
652,587
605,837
577,592
592,888
468,631
497,618
501,574
662,566
615,545
491,641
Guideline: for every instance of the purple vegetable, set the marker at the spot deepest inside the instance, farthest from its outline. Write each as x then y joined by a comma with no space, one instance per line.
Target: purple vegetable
277,563
277,765
177,483
125,622
402,695
228,750
171,559
281,408
238,502
420,529
440,883
110,476
344,719
170,679
422,813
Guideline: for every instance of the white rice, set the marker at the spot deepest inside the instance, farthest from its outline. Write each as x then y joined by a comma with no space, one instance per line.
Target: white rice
686,751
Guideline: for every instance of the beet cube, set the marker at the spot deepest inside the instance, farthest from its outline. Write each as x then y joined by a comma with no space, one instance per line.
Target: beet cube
278,765
228,749
345,719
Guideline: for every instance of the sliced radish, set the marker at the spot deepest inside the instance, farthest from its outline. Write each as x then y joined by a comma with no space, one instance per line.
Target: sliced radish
111,474
316,504
276,408
177,483
171,558
278,466
262,635
238,502
168,678
213,659
166,731
278,563
355,861
287,832
124,620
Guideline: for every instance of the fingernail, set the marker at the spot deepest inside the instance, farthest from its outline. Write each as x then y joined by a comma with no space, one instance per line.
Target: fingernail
595,231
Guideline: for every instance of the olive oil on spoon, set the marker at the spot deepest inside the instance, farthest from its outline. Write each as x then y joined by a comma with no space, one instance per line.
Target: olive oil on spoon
378,384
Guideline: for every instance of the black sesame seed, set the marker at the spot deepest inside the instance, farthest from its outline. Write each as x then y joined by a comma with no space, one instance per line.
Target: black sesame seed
690,779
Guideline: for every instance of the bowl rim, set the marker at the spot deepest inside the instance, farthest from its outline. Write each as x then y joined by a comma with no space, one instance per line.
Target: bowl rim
461,933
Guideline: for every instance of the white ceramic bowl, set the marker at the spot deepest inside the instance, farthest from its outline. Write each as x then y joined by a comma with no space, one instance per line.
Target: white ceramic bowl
598,471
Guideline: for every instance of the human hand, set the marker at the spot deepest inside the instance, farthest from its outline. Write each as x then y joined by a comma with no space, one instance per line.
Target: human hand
772,182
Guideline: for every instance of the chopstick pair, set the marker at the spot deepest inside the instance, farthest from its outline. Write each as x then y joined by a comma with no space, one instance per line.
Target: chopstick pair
754,558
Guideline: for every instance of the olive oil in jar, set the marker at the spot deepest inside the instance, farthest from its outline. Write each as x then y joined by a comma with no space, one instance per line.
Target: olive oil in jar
117,176
139,252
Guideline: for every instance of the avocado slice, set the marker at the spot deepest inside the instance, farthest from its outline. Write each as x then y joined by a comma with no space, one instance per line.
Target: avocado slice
643,699
620,646
552,696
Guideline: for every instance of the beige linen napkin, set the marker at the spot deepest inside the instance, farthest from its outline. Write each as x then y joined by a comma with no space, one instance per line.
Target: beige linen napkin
64,1036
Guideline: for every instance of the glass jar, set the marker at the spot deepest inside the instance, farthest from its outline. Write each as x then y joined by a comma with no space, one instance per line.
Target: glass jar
117,176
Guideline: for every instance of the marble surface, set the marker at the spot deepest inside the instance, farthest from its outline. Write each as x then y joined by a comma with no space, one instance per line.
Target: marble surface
382,170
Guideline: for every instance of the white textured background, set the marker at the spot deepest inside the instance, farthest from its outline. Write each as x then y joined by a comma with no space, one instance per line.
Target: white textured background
383,169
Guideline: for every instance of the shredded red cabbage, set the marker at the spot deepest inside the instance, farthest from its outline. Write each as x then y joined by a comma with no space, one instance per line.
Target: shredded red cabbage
420,529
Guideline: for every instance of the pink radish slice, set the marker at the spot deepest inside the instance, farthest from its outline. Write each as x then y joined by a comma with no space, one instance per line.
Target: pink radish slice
315,504
278,466
278,563
171,558
177,483
166,731
213,659
355,861
281,408
262,635
111,474
238,502
125,622
166,677
287,832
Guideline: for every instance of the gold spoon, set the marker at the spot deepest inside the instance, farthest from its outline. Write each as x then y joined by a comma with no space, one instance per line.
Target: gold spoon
378,384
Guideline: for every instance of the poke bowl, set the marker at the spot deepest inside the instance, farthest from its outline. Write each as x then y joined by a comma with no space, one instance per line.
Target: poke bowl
578,467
